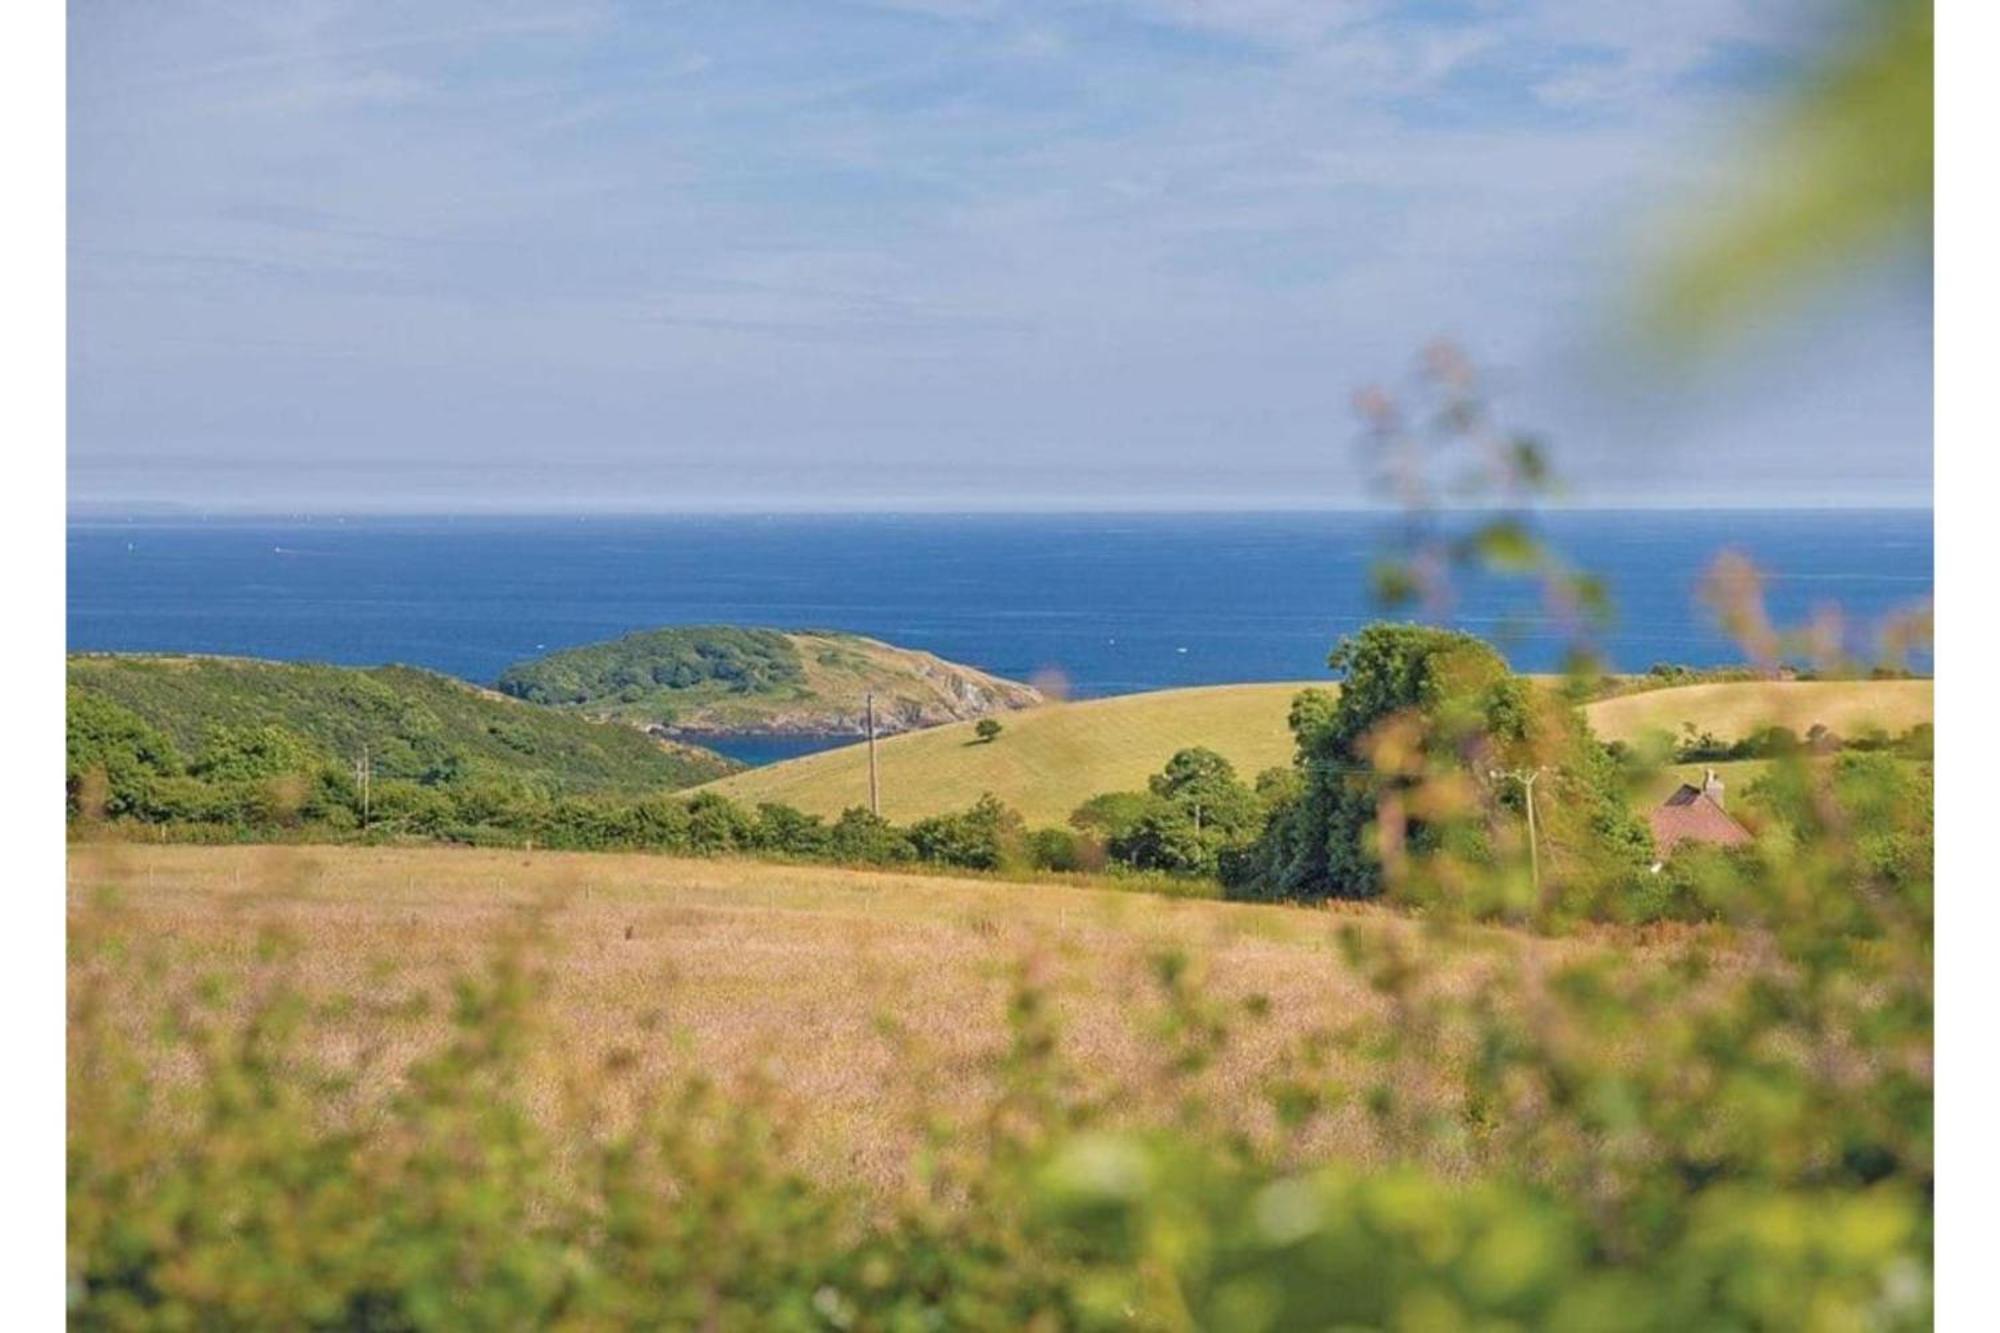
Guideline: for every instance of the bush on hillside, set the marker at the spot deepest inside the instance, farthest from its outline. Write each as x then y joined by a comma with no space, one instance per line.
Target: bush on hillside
989,836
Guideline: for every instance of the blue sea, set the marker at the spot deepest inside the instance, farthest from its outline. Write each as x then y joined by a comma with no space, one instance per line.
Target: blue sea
1110,603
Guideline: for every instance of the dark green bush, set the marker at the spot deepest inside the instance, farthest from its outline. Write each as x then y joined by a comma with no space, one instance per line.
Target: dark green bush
989,836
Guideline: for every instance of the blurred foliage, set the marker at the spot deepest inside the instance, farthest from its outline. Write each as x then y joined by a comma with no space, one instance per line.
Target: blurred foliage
1467,487
1844,173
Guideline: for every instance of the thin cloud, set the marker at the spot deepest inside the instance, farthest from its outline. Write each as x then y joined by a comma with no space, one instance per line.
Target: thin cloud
1092,236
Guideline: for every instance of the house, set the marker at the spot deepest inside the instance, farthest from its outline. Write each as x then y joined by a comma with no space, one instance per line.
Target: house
1695,814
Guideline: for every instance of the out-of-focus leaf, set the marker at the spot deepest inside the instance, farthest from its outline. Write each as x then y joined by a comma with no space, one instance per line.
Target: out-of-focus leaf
1846,172
1507,546
1528,458
1394,584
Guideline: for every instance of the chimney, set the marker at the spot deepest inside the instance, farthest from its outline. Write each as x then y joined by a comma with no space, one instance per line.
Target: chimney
1711,787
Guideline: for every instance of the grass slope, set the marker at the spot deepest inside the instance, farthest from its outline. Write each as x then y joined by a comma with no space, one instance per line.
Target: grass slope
1051,759
413,722
1047,761
1735,709
724,678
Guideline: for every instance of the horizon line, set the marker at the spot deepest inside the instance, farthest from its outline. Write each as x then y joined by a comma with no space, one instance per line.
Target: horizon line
190,511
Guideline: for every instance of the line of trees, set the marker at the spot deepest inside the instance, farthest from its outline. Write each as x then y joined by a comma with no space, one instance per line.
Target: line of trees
254,782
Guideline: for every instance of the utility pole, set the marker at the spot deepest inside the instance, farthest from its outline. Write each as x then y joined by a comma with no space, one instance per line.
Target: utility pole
874,782
1526,777
364,773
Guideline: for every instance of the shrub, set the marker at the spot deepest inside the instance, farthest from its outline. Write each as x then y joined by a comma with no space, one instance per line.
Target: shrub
779,828
989,836
1063,850
861,837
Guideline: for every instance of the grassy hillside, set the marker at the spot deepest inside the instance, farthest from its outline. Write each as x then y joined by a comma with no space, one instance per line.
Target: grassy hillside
1733,710
710,678
1051,759
416,724
1047,761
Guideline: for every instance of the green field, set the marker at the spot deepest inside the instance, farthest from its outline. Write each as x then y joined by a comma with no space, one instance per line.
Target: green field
1049,760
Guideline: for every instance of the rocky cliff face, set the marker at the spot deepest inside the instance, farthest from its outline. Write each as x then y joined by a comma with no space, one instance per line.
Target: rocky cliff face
912,690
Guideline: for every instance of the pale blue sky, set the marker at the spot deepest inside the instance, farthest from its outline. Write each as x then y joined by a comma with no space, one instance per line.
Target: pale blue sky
922,253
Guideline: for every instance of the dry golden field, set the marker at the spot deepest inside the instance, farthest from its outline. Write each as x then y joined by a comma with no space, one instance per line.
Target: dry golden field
866,1002
1734,709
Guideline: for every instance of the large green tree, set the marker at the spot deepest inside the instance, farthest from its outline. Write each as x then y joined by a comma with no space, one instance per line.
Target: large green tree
1195,810
1400,763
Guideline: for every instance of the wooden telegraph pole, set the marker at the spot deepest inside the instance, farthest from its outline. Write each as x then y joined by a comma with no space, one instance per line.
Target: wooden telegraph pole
1526,777
874,782
364,777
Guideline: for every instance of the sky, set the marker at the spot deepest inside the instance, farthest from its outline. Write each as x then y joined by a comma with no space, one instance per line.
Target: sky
479,255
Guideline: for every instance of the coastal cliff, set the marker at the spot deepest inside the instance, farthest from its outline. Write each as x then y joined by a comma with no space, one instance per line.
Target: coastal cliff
695,681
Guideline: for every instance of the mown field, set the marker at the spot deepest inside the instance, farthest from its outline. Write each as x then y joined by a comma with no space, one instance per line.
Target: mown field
1046,762
1050,760
1734,709
866,1002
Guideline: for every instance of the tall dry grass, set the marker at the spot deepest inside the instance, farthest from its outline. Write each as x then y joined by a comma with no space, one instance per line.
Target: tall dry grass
868,1005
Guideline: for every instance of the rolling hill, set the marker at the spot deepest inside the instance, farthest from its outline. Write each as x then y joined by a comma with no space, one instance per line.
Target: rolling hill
1049,760
720,679
1734,709
416,724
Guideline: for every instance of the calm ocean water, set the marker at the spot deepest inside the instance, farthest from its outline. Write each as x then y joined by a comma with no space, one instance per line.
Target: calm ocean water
1113,602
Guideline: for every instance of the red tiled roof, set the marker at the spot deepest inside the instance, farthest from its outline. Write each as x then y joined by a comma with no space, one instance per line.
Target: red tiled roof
1690,815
